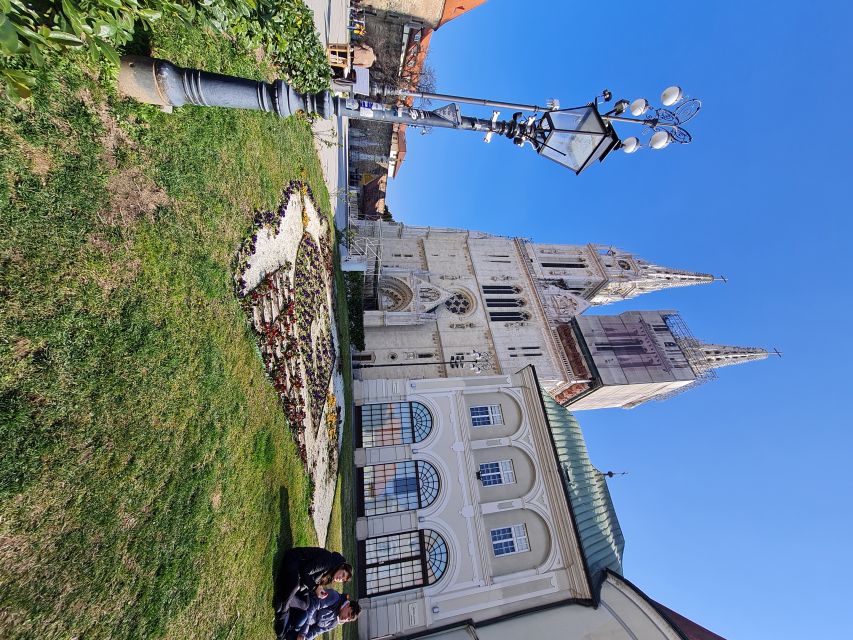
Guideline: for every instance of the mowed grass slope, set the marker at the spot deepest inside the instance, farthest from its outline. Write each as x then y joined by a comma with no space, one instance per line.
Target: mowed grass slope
144,456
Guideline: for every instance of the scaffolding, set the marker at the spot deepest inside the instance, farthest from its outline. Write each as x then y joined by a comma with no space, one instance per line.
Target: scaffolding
364,245
703,369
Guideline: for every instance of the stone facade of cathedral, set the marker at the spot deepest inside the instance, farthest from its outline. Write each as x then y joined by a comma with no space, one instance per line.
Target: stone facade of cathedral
443,302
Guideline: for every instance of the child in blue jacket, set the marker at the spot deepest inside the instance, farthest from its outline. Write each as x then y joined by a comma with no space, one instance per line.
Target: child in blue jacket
324,614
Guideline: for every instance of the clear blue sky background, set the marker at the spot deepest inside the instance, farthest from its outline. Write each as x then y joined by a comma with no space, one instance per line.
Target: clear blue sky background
737,506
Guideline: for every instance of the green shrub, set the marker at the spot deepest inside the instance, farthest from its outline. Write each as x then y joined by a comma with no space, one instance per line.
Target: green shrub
284,29
33,31
355,308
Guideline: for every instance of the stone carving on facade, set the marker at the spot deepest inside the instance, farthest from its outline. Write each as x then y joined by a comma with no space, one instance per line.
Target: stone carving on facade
514,325
566,305
559,284
501,278
395,295
450,277
540,500
462,325
428,294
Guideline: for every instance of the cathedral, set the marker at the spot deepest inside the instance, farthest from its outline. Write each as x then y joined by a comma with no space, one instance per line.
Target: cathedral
479,513
448,302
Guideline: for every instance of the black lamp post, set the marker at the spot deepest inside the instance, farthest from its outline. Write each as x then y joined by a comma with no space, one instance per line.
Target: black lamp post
574,138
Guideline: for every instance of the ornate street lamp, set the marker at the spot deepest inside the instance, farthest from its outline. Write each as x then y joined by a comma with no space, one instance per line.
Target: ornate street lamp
574,138
664,124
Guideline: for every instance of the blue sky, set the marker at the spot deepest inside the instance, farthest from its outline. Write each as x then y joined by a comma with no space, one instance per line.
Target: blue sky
737,506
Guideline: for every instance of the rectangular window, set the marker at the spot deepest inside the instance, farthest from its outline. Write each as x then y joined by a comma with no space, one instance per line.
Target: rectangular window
390,487
498,472
393,563
565,265
487,415
508,540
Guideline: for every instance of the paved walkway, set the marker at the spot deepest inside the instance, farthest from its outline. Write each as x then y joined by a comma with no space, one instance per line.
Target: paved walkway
331,18
330,140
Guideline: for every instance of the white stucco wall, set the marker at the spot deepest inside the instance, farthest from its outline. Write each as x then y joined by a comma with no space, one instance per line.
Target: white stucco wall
477,585
622,614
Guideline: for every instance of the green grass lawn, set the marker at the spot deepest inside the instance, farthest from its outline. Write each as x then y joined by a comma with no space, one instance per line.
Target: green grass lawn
147,475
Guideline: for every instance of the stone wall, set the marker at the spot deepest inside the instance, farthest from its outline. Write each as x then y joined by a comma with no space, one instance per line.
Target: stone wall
428,11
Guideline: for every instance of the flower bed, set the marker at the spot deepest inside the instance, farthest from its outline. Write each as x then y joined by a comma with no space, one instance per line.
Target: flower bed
313,331
284,277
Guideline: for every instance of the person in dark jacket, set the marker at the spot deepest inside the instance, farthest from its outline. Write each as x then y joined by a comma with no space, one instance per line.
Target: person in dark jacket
324,614
306,572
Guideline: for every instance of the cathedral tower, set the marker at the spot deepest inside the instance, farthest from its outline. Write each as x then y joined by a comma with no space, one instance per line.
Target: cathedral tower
439,302
639,356
601,274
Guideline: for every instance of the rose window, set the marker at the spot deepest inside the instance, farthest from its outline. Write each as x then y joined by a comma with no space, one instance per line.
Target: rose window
458,303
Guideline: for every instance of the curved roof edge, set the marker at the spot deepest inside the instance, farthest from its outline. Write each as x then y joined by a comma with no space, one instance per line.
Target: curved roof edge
600,534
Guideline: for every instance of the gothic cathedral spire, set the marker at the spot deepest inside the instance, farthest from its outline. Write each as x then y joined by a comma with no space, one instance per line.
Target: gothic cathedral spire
629,276
718,355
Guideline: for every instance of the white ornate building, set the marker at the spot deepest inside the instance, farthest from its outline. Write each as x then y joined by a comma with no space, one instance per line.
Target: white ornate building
439,302
480,515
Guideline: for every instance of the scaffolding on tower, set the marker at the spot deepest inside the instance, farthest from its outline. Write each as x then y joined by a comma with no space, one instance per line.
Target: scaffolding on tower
703,369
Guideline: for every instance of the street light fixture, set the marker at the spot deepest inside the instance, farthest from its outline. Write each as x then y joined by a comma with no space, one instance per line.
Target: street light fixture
664,124
574,138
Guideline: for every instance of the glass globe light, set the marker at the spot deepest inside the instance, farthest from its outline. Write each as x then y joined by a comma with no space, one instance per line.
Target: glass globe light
671,95
630,145
639,106
660,139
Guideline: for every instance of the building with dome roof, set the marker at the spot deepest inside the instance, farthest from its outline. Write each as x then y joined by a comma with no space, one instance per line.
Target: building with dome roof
481,515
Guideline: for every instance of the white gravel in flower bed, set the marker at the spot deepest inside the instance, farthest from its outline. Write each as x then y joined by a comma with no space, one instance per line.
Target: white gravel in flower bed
273,251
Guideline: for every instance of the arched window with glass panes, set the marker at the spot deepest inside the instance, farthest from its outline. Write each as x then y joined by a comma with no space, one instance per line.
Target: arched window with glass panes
397,486
392,423
402,561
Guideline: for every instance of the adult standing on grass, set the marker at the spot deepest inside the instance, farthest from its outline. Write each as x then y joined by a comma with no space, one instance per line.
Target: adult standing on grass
306,572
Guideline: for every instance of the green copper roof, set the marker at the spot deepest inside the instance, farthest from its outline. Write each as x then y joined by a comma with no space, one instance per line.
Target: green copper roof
600,533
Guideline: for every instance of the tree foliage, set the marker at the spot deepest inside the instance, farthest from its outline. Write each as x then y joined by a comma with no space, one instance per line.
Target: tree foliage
32,31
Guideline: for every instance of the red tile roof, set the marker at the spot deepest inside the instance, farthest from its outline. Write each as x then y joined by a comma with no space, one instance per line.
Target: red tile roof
455,8
689,628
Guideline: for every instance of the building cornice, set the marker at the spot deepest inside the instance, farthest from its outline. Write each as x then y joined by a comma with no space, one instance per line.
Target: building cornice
566,536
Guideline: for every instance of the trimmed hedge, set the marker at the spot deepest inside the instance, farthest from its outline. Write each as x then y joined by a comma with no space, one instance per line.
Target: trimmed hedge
355,306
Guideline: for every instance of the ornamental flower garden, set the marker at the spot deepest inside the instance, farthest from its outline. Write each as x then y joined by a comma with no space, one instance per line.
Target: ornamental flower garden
284,276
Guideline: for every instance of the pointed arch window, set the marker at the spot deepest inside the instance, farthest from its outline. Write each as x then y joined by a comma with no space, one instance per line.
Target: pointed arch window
500,289
392,423
402,561
398,486
499,316
505,302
